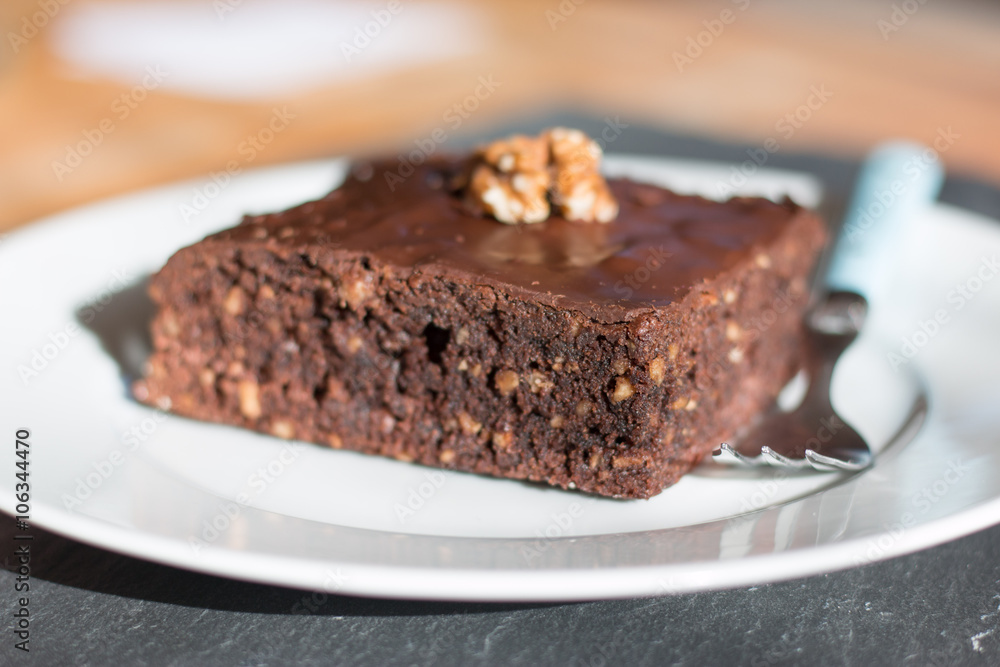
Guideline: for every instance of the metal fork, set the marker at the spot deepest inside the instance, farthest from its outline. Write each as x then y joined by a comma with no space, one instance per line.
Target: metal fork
897,181
813,434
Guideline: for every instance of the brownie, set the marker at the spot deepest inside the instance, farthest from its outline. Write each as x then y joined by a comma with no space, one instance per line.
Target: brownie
389,319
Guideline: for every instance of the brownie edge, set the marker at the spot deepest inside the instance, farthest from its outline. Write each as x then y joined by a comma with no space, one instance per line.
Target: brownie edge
302,336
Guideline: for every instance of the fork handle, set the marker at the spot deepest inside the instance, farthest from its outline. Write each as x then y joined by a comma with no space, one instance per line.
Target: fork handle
897,181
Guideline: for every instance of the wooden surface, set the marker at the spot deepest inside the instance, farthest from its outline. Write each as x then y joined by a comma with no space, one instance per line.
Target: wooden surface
939,70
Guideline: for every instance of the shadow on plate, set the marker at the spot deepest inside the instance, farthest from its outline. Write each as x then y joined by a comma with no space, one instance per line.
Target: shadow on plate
121,322
66,562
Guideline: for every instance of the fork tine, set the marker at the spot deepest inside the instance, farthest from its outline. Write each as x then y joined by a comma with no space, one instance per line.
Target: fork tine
833,464
771,457
727,454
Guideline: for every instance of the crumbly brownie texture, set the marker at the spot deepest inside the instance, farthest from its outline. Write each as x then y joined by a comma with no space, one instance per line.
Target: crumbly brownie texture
386,318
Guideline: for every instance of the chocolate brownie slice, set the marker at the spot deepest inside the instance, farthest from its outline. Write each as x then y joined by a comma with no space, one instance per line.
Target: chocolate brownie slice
387,318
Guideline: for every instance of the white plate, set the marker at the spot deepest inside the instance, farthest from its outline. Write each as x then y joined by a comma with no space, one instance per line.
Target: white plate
107,471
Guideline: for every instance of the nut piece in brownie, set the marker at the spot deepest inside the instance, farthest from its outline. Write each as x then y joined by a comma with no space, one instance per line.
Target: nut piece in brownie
607,339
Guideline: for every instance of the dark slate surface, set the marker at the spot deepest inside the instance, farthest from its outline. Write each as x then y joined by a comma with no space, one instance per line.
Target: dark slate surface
936,607
92,607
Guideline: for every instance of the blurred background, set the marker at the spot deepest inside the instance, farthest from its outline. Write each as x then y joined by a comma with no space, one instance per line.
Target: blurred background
99,97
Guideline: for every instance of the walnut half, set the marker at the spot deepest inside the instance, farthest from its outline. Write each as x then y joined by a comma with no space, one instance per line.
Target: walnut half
518,179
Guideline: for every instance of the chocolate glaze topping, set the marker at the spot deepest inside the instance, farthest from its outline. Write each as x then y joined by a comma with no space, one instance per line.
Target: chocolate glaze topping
660,245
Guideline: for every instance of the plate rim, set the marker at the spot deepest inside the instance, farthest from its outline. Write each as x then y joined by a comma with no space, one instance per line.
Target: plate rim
555,585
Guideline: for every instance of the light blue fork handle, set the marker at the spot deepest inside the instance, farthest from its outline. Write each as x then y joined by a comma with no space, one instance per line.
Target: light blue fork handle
897,181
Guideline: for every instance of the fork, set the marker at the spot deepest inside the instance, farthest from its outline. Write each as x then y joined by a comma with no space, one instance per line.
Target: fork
897,181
